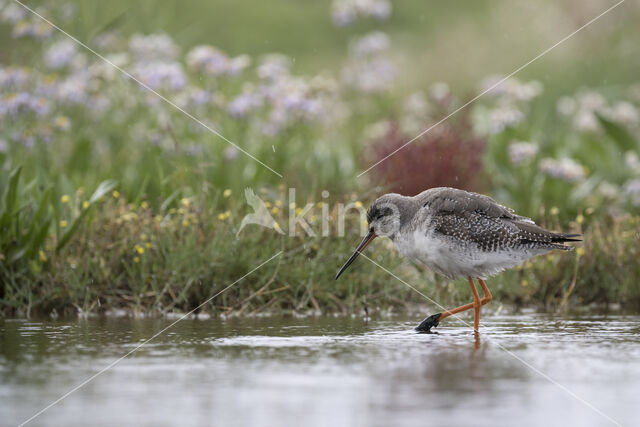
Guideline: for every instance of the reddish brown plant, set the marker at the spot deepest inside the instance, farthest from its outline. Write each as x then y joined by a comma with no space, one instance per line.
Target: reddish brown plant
443,157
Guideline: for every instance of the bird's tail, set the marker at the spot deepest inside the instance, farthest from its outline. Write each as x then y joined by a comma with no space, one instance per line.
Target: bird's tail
560,238
563,237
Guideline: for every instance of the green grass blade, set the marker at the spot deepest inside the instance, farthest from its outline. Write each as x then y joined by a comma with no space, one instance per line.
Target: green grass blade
10,198
169,200
104,188
619,134
38,238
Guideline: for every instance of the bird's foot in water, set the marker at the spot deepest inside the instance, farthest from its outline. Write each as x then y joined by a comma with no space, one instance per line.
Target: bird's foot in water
428,323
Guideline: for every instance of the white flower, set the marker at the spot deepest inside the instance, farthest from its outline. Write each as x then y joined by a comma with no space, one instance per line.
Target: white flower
244,103
632,162
608,190
590,101
504,116
273,67
13,77
62,123
416,104
378,130
370,44
440,91
73,89
192,97
345,12
632,190
208,59
624,113
60,54
525,91
158,75
586,121
511,88
565,169
522,152
566,106
13,13
238,64
370,76
153,46
15,103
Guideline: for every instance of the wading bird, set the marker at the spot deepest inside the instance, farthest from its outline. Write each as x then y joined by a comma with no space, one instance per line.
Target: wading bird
458,234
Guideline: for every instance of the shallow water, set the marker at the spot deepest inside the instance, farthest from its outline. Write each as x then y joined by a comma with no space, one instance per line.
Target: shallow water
323,371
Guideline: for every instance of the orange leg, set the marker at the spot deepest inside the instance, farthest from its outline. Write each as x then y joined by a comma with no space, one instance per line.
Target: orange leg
434,320
486,293
476,305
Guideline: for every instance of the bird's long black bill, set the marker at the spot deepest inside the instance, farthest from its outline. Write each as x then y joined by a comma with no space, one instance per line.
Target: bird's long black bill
367,239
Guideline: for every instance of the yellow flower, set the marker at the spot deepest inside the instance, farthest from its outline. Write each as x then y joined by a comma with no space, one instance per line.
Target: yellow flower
185,223
43,256
85,204
554,211
279,203
139,249
525,282
221,216
63,223
298,211
226,193
148,245
185,202
62,122
144,237
274,211
64,199
144,205
358,204
580,219
276,226
115,194
136,259
580,251
267,205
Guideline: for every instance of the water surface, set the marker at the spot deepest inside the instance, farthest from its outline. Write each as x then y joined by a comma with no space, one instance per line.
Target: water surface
323,371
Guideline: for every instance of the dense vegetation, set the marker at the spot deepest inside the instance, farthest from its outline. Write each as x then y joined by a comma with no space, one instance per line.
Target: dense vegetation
114,198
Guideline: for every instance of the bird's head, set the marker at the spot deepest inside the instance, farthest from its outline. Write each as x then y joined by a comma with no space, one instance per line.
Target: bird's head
383,218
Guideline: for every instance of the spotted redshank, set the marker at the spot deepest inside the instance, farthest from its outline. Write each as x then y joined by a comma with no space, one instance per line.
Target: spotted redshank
458,234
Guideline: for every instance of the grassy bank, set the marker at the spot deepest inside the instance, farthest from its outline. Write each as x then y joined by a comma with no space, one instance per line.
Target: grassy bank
133,257
113,198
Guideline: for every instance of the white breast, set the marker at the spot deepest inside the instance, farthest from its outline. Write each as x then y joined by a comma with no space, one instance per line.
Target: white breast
454,258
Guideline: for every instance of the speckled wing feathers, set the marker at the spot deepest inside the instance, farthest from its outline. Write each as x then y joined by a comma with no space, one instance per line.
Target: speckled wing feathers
445,200
475,218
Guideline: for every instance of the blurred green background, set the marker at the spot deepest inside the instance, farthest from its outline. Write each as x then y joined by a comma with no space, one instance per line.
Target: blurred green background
458,41
558,142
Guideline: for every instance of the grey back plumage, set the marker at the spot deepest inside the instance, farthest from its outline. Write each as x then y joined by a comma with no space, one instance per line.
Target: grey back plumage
476,218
